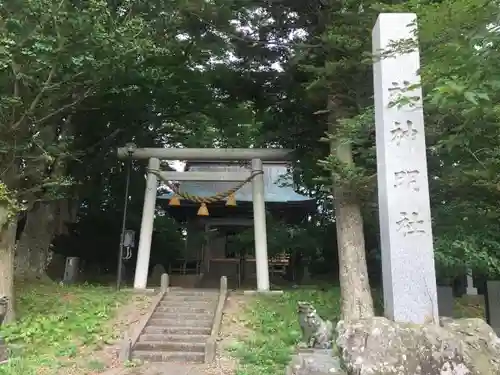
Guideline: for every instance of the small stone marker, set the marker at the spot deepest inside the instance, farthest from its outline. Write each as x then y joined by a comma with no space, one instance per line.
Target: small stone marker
409,277
4,351
4,354
223,284
125,349
492,305
470,290
164,283
71,270
446,301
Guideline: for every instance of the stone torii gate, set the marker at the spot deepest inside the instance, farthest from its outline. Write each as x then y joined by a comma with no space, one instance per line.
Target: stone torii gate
154,155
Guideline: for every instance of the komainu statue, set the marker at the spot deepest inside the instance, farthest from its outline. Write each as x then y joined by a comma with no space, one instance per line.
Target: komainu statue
316,332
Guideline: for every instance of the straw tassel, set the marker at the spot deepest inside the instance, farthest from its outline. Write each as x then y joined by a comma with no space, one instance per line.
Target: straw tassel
231,200
174,201
203,210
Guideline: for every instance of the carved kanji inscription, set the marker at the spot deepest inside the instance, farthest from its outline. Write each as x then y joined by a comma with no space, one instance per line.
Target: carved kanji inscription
402,131
410,223
401,95
408,178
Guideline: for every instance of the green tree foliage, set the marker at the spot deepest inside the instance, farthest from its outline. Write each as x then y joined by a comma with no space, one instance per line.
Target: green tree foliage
81,78
458,41
54,56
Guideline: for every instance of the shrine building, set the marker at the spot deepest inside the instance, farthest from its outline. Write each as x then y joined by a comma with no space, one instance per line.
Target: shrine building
209,252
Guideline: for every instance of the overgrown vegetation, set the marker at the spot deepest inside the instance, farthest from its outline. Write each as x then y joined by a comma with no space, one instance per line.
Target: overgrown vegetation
57,326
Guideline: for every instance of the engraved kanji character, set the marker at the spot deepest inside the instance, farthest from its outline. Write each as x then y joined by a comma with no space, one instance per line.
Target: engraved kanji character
408,176
400,132
410,224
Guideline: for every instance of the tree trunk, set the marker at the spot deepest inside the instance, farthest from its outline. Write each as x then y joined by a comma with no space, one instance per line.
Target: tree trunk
33,252
357,301
33,249
7,245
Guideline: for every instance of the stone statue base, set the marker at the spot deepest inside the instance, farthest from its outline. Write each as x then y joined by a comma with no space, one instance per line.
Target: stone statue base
314,362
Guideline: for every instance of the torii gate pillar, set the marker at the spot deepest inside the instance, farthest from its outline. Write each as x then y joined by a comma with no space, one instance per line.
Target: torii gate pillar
259,228
148,215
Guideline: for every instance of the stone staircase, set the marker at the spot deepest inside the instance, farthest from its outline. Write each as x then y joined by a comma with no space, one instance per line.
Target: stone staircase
179,328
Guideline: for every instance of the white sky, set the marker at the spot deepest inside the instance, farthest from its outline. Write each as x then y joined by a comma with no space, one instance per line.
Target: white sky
177,165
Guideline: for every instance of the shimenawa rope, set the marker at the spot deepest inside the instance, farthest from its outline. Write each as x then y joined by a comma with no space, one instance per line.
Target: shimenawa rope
211,199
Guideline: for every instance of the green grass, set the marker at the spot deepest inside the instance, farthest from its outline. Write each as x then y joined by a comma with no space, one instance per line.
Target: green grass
56,325
470,307
273,321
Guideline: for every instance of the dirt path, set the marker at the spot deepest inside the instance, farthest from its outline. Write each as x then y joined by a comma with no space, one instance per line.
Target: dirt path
232,328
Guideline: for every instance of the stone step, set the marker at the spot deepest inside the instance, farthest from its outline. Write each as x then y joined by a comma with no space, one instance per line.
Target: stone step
191,296
180,322
165,346
203,305
184,308
189,299
194,292
152,356
176,330
174,337
184,316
